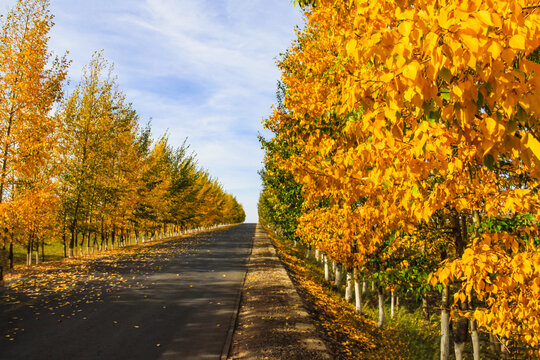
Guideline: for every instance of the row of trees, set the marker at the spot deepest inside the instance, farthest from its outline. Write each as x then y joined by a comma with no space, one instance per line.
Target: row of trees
80,168
406,147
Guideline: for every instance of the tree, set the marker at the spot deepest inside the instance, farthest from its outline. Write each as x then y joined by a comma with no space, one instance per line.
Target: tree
30,86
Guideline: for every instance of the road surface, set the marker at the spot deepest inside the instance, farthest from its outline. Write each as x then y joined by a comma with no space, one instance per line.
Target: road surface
173,300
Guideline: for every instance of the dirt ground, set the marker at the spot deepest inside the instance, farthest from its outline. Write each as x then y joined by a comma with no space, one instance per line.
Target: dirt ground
272,321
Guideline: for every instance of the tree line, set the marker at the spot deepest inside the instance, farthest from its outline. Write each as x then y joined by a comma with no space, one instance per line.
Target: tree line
78,167
406,151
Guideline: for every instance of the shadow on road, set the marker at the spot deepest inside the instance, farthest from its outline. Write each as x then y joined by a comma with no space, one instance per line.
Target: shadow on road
171,301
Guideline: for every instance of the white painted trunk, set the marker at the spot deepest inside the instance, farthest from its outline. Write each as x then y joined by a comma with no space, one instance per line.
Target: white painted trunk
392,304
308,253
364,286
380,296
475,340
445,326
337,281
358,294
317,254
349,288
37,257
505,352
326,269
458,350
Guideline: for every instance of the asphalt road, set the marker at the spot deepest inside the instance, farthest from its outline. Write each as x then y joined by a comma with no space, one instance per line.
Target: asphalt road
173,301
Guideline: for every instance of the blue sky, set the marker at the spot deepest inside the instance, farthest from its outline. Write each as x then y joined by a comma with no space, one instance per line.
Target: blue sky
201,69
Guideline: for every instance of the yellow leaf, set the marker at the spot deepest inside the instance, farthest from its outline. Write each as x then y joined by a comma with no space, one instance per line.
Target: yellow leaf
485,17
411,70
386,77
351,47
533,145
495,49
405,28
517,42
471,42
491,125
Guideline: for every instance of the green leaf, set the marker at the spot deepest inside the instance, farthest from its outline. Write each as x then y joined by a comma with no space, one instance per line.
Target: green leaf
445,94
446,75
489,161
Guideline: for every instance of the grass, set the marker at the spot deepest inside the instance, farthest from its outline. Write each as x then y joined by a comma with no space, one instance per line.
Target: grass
54,251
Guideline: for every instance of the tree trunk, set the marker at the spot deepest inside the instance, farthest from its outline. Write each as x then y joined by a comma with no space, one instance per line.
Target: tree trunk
326,268
392,304
84,235
349,288
460,337
493,344
37,252
380,296
475,340
308,252
364,286
357,292
459,229
113,235
29,252
72,243
10,256
445,325
337,281
425,309
505,352
102,235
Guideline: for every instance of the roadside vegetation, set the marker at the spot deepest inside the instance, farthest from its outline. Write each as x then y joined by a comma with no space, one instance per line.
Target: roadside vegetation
406,156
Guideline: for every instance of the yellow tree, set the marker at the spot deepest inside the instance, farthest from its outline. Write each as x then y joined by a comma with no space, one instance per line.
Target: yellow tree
407,109
89,132
30,84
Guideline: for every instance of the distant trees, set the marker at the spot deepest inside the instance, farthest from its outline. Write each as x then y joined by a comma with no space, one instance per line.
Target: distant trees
80,169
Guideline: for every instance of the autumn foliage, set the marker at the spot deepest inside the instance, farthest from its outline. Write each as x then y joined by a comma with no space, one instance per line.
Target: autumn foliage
412,129
79,167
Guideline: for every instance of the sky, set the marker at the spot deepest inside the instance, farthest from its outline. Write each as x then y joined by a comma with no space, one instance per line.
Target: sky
199,69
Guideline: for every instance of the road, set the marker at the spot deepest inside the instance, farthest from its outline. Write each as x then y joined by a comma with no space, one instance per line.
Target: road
174,300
